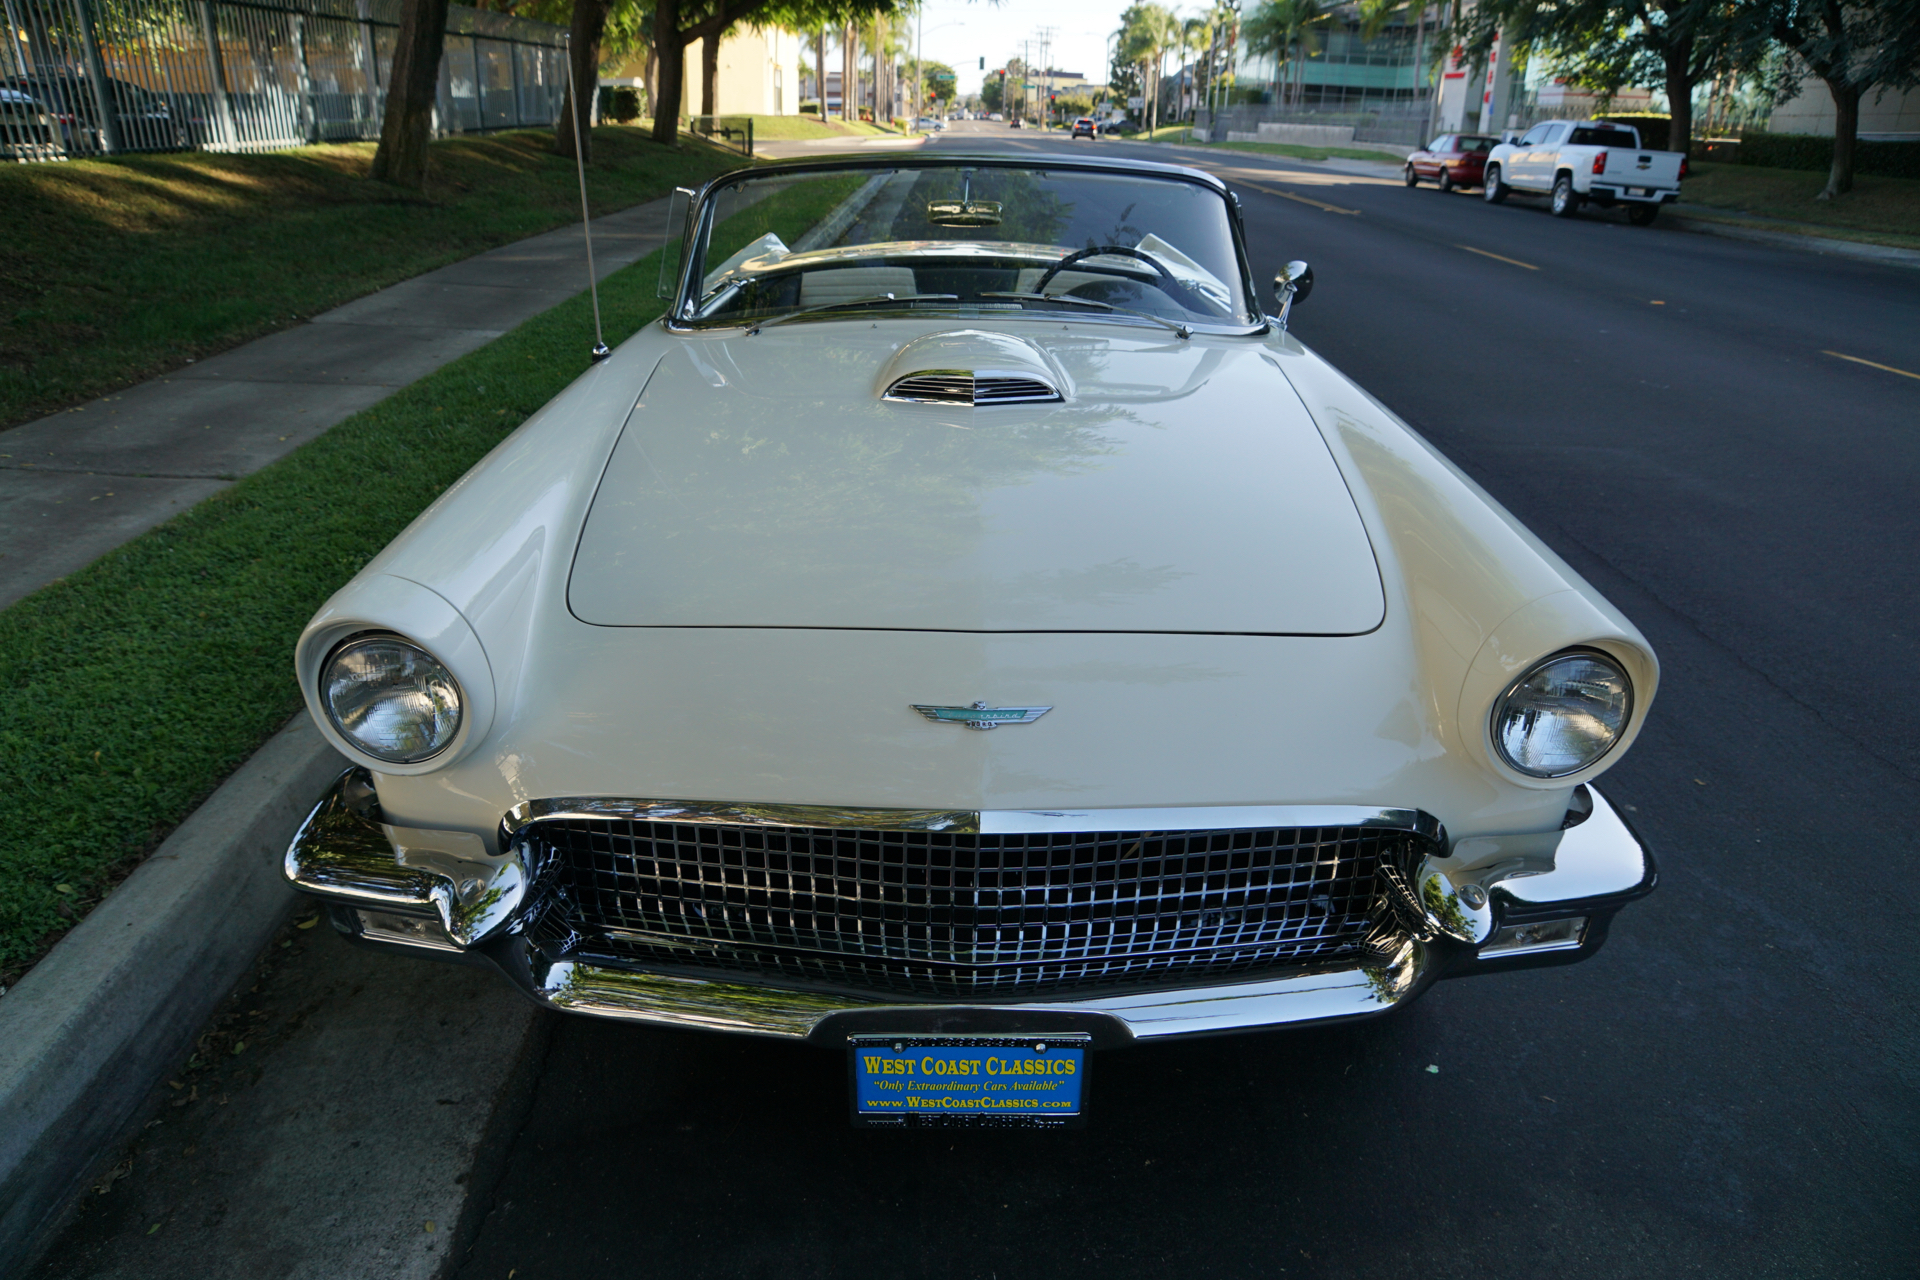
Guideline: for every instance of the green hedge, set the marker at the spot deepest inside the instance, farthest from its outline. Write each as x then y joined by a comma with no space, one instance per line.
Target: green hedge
1815,152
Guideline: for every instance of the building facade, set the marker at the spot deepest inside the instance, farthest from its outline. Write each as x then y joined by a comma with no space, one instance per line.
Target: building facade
758,74
1895,117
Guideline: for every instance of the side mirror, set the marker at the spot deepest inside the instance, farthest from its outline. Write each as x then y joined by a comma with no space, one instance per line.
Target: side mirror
1292,285
1297,274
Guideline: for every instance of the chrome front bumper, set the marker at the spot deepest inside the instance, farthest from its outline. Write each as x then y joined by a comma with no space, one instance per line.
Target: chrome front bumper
443,893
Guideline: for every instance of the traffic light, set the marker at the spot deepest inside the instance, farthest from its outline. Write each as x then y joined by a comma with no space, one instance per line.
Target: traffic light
983,62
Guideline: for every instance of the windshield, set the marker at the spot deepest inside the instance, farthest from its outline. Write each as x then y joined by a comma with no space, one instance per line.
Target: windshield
970,238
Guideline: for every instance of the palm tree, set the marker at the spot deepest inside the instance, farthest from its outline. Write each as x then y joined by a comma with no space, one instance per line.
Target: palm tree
1147,33
1280,27
1196,38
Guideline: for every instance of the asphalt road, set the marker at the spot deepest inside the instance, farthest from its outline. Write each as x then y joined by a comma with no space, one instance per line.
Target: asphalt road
1729,1089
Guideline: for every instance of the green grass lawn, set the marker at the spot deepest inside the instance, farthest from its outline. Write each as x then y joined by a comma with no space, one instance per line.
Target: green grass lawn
789,128
115,270
1311,153
130,689
1878,210
1179,133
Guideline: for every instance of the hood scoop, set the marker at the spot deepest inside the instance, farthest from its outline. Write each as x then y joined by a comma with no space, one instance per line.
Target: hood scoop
970,387
973,368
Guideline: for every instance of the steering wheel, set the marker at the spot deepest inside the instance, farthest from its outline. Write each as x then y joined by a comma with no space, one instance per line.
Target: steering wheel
1102,251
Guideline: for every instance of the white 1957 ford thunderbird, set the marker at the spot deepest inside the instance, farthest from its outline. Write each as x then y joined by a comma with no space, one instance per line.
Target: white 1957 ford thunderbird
676,708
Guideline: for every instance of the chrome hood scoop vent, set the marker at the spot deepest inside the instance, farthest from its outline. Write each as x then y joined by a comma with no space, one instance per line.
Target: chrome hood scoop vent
972,368
970,388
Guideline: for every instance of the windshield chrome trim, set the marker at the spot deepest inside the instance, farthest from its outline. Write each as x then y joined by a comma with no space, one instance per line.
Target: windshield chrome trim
679,317
972,821
971,313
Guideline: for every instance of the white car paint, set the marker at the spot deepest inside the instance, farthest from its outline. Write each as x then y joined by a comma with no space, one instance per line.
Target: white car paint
720,573
811,715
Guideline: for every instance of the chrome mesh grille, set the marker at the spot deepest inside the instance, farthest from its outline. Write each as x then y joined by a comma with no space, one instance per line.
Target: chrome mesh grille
991,390
971,389
953,915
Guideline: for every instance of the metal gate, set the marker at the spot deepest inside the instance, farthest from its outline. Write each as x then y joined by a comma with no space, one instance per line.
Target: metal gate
96,77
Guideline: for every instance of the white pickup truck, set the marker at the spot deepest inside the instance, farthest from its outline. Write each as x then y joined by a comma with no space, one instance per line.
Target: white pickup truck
1574,161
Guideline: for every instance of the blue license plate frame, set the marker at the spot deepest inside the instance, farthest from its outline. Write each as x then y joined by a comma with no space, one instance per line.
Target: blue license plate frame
968,1082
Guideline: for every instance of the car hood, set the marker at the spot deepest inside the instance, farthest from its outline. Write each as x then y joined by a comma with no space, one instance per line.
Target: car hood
1177,486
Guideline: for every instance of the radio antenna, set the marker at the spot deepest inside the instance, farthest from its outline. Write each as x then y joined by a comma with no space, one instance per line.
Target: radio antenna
574,104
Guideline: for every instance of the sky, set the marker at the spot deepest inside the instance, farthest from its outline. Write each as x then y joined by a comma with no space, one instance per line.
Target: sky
961,32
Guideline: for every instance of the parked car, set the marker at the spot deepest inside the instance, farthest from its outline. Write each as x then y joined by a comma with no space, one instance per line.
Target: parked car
996,117
27,129
1073,659
146,121
1450,160
1085,128
1572,162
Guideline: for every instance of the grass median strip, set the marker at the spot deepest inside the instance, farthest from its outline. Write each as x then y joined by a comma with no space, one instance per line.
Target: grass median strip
1878,210
118,269
130,690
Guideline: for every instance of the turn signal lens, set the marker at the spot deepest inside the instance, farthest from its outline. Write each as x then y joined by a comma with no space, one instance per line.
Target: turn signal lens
391,698
1600,163
1563,715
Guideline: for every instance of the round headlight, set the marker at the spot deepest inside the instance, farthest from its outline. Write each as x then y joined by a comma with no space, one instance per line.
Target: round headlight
1562,715
390,698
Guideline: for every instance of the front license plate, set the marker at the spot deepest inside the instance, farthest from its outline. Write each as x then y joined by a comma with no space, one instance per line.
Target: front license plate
1004,1082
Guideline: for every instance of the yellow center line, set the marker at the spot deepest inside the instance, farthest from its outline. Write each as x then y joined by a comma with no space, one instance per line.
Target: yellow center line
1496,257
1870,364
1288,195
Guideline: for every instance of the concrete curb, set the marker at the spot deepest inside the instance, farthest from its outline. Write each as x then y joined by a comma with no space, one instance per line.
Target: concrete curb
1882,253
92,1028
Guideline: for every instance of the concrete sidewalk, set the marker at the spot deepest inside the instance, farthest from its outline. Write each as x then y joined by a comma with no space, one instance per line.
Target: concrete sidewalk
76,485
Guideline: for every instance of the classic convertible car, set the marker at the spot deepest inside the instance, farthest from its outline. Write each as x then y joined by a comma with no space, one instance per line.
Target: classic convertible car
969,630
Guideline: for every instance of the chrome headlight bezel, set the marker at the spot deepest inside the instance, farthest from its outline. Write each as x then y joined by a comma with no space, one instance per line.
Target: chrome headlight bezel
438,672
1514,687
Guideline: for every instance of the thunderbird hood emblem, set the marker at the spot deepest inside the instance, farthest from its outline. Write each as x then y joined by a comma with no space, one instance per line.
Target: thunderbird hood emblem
982,716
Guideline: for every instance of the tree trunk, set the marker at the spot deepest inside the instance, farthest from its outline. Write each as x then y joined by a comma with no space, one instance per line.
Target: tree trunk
849,73
672,52
710,72
583,45
820,69
1680,100
415,80
650,74
1846,135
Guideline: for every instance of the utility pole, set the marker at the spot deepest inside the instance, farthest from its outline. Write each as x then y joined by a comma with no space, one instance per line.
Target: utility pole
1045,35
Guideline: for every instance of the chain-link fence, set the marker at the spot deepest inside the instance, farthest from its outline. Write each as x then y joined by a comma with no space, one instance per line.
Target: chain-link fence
95,77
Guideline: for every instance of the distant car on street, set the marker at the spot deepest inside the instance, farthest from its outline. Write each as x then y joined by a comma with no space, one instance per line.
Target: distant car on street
1573,162
1017,123
1085,128
1451,160
996,117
